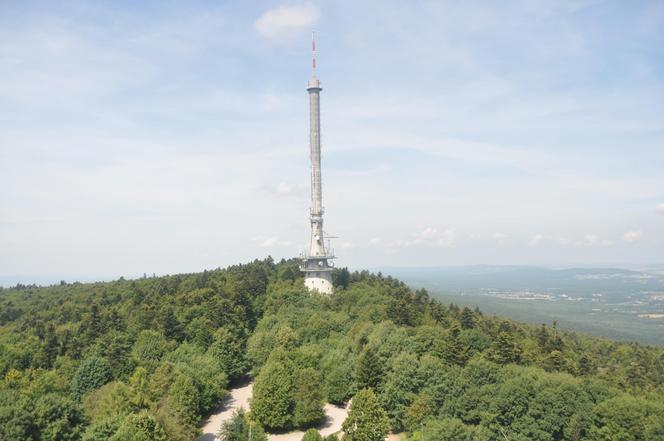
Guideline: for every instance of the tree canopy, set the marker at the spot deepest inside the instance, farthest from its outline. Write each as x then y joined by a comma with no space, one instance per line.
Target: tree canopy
145,359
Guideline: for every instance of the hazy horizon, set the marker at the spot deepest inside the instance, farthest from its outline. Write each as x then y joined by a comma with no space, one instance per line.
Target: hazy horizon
45,279
170,138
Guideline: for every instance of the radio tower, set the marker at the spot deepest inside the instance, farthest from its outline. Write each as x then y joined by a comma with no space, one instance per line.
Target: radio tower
315,264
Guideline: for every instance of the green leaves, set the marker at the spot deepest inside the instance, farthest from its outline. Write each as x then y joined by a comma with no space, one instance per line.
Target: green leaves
93,372
241,428
366,421
272,403
308,399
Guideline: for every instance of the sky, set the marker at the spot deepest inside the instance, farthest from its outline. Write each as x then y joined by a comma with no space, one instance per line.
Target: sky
168,137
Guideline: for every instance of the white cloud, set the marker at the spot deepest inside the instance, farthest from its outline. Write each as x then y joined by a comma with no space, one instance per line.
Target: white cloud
499,237
429,236
287,21
270,242
563,241
588,240
536,239
428,233
284,189
660,208
592,240
447,238
632,236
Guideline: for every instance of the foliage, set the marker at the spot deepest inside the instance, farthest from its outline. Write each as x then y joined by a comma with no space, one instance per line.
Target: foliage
366,420
312,435
240,428
272,403
308,399
94,372
229,349
146,359
369,370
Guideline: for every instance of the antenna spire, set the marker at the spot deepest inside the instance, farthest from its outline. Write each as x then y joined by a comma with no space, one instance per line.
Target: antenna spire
313,54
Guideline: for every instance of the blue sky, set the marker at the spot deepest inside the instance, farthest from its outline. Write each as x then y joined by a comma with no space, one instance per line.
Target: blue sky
172,136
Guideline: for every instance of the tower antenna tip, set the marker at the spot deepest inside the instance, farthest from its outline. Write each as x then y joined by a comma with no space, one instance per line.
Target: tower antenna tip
313,53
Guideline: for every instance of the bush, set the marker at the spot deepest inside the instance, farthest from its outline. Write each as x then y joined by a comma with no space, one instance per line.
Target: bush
93,372
238,428
312,435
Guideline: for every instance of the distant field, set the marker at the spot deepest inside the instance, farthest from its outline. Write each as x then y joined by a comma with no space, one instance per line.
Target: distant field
619,304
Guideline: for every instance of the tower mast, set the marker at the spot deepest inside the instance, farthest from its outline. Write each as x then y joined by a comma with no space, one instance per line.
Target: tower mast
315,265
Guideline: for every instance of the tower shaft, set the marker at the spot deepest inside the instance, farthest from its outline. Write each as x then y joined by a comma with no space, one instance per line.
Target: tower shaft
317,245
315,265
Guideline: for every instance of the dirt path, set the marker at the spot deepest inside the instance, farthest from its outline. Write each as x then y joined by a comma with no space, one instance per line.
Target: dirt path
334,418
239,397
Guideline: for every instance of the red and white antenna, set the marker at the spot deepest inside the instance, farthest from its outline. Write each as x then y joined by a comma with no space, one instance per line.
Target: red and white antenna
313,53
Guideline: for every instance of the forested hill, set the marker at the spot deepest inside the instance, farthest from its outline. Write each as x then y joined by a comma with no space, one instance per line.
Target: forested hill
146,359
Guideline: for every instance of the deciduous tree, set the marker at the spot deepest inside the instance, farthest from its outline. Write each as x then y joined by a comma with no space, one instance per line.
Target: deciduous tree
366,420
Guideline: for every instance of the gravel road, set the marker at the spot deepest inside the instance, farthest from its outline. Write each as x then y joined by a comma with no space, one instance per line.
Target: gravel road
239,397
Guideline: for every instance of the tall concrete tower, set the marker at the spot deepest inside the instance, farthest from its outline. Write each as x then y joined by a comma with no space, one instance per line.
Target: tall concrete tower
316,263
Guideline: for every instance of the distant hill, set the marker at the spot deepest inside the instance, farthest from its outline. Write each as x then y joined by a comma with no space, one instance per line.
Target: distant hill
623,304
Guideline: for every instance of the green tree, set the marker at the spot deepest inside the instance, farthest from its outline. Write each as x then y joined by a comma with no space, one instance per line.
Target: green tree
467,318
586,365
451,349
228,348
399,387
93,372
542,338
140,427
339,384
341,277
103,429
199,331
626,418
557,361
150,346
504,350
240,428
369,370
58,418
140,388
50,351
366,420
272,403
450,429
185,395
111,400
308,399
17,423
312,435
171,326
420,409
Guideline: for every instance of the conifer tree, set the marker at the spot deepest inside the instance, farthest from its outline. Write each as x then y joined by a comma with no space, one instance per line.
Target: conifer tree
454,350
504,350
369,370
171,326
467,318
